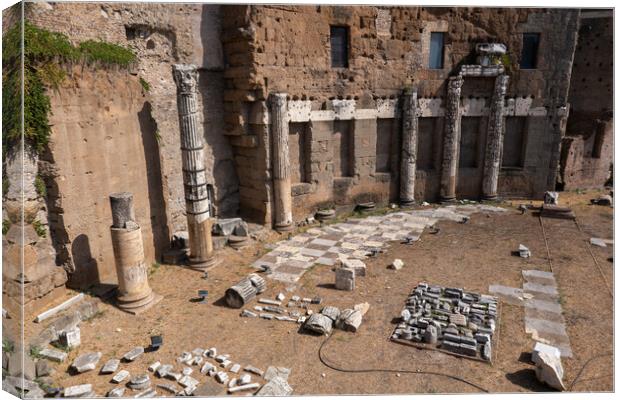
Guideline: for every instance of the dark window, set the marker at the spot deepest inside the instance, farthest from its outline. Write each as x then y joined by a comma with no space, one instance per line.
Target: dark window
529,52
339,39
599,140
514,142
435,60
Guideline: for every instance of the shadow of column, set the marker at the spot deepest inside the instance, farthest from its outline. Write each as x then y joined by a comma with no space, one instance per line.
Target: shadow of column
157,205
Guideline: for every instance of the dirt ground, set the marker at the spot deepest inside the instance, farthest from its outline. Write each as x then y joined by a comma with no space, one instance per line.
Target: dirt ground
473,255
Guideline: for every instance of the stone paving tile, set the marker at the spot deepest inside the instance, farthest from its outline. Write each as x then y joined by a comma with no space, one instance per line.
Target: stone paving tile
290,258
534,287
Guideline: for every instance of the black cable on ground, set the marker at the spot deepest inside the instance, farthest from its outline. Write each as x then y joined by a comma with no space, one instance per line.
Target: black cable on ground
400,371
583,367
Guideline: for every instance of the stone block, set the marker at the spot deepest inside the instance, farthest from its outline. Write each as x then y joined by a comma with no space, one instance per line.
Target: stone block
78,390
21,364
549,370
139,382
86,362
163,370
43,368
134,353
254,370
362,307
345,279
276,387
120,376
153,367
235,368
53,355
188,381
116,392
319,323
397,264
245,387
273,372
71,338
356,265
332,312
349,320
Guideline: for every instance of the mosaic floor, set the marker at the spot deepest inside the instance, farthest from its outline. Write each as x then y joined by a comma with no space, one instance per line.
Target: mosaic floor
356,238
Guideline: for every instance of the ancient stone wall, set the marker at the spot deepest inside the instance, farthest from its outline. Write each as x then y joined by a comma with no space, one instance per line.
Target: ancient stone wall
103,141
587,149
287,49
161,35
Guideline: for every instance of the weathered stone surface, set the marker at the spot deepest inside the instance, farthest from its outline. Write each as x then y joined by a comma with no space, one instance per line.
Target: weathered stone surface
116,392
153,367
549,370
275,387
524,252
163,370
70,338
356,265
319,323
120,376
349,320
273,372
362,307
430,335
134,353
332,312
139,382
254,370
188,381
345,279
248,314
168,387
86,362
187,371
209,389
227,226
21,364
245,387
110,366
397,264
44,368
598,242
78,390
221,377
245,379
235,368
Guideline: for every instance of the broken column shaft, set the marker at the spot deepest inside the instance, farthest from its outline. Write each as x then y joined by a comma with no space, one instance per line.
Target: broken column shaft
281,163
495,139
197,202
452,138
134,293
409,149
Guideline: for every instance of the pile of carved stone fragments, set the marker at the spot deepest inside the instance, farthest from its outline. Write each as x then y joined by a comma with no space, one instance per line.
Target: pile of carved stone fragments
450,319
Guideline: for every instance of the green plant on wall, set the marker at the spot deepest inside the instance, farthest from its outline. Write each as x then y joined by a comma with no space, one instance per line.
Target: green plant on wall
39,185
45,54
145,85
39,228
6,225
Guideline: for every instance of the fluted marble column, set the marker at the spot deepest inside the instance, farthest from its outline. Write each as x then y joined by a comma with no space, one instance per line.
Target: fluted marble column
197,202
451,140
281,163
409,148
495,139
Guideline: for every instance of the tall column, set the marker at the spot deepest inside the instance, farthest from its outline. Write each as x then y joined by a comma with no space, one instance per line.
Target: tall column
409,148
281,163
495,139
451,139
134,293
197,202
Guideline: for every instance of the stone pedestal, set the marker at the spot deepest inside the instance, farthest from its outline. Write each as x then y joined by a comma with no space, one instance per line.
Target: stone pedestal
495,140
134,293
281,163
197,202
409,148
451,141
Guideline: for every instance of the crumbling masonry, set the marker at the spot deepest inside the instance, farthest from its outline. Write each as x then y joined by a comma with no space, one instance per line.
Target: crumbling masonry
273,124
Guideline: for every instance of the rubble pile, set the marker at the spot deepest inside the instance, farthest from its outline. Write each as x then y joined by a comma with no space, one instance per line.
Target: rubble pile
450,319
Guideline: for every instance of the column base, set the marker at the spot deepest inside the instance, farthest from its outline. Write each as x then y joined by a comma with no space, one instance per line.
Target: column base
493,197
140,306
447,200
283,228
202,264
407,203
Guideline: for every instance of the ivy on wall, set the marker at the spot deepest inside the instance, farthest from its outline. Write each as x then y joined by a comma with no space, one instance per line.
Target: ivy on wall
45,53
